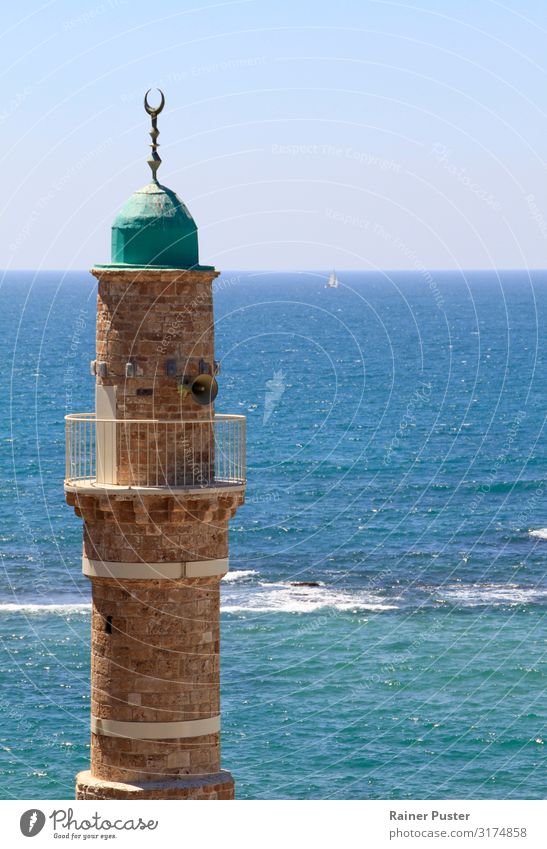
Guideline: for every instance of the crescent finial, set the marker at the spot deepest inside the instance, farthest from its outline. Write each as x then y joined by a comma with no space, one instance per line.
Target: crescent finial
154,161
154,110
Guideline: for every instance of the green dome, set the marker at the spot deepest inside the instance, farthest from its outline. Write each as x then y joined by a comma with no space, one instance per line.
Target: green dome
154,228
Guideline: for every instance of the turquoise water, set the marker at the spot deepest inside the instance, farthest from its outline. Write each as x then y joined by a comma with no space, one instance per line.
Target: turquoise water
396,457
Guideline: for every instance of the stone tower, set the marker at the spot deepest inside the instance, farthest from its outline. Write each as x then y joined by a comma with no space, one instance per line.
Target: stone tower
156,477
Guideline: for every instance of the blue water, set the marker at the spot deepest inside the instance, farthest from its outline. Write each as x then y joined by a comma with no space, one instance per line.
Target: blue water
396,456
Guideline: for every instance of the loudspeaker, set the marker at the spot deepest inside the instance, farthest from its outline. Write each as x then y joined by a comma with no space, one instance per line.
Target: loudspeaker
204,389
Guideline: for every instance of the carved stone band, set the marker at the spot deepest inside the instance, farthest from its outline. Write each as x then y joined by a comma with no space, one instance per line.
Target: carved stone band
155,730
154,571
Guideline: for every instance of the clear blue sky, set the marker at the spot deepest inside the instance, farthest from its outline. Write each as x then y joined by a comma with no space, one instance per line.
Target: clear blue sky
302,135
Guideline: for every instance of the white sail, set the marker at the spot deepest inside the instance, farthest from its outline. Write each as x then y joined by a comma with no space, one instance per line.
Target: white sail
332,282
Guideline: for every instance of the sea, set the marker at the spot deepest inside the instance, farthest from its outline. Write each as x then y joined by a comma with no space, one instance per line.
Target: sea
383,620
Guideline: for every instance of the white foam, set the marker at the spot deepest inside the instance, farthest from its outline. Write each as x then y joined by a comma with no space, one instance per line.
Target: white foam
473,595
541,533
286,598
239,575
45,608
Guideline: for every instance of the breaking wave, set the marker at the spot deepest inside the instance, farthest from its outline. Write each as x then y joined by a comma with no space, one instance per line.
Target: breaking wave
239,575
474,595
45,608
287,598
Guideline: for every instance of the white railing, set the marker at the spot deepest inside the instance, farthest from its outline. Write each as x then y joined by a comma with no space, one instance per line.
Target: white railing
152,452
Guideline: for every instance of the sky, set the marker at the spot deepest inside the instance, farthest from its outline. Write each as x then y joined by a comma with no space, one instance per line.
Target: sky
301,135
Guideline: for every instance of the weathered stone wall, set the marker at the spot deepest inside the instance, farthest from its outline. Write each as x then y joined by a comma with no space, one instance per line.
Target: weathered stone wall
159,659
165,453
156,529
146,318
159,663
155,644
217,786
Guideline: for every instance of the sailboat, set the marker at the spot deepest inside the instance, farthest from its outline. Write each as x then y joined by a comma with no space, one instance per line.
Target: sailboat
332,282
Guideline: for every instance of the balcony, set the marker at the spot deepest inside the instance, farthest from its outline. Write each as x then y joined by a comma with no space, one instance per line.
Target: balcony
152,453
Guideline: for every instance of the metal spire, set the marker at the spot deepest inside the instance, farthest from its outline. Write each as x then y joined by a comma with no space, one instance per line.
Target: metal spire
154,160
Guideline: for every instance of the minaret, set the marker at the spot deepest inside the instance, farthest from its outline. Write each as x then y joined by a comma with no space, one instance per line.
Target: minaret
156,476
